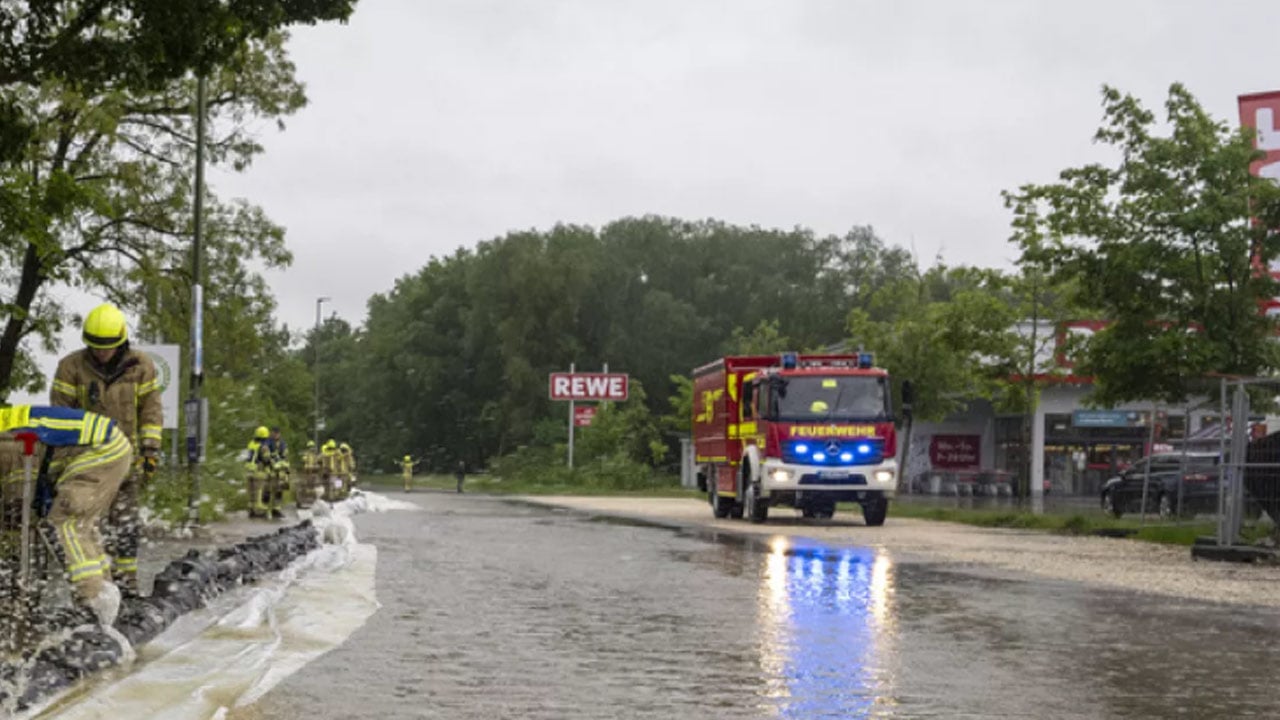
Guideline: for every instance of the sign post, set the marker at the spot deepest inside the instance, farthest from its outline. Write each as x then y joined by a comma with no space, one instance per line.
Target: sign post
572,367
575,387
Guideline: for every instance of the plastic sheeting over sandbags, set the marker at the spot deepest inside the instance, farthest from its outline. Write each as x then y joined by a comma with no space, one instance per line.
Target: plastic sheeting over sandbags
184,585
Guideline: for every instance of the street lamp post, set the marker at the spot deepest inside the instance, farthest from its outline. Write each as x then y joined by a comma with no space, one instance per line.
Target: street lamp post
195,406
315,365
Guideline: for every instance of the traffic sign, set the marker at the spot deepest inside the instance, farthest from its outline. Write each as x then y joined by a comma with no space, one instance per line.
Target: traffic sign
583,415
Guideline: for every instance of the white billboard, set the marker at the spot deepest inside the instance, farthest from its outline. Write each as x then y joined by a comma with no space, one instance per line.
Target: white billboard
168,365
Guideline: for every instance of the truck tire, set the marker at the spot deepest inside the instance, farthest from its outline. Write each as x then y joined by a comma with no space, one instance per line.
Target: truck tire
721,507
874,511
756,509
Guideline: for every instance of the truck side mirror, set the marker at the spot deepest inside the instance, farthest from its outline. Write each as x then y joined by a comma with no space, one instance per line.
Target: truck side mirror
908,396
748,394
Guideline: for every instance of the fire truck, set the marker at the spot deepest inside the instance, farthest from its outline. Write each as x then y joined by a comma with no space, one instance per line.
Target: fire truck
804,431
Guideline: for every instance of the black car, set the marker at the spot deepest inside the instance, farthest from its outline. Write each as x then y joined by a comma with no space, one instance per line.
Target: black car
1198,473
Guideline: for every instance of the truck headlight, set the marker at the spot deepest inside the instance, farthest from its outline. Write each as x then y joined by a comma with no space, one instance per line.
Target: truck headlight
884,476
780,476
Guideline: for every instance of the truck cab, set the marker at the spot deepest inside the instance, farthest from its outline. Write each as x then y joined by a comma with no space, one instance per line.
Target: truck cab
804,431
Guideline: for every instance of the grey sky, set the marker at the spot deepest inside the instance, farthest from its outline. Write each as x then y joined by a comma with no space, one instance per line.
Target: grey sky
434,125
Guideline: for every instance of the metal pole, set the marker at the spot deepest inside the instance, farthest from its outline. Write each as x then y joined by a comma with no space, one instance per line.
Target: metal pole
1146,471
197,311
572,368
1182,473
24,552
1223,473
315,367
1239,446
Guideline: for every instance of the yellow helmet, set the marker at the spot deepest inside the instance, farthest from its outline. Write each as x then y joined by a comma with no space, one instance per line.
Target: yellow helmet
105,327
262,433
407,458
311,444
344,447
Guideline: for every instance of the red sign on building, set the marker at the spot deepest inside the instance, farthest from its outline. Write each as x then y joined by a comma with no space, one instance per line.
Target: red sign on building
603,387
1261,113
955,452
583,415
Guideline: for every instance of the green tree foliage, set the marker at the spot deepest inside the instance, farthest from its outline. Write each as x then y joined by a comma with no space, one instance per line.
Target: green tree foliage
139,44
765,339
1161,244
102,198
453,361
951,331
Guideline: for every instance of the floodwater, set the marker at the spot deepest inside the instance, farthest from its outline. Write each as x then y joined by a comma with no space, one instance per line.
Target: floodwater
497,610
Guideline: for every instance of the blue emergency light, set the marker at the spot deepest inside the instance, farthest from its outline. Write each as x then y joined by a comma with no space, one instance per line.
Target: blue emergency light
790,361
865,360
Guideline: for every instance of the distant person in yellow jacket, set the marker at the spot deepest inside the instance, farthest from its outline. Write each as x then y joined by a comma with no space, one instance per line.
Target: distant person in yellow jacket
406,467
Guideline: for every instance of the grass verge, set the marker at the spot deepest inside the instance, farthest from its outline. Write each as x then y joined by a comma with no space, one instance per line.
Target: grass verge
1080,523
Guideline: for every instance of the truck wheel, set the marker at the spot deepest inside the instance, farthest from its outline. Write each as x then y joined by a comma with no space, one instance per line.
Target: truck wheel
874,511
756,509
825,511
720,507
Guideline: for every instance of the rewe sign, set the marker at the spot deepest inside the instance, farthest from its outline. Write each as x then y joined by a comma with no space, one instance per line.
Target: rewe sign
603,387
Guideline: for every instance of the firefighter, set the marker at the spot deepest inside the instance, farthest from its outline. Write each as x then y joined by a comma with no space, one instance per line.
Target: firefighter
305,492
406,466
347,464
89,457
329,465
280,473
109,378
258,461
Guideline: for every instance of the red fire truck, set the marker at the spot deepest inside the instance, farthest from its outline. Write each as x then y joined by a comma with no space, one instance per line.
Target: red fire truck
805,431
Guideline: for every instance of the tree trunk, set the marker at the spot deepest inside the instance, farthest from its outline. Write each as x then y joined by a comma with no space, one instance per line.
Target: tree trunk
16,327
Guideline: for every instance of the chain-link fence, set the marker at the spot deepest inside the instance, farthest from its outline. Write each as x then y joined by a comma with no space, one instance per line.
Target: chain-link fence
1249,493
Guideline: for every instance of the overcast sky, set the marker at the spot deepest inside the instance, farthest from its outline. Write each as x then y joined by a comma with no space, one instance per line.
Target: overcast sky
435,124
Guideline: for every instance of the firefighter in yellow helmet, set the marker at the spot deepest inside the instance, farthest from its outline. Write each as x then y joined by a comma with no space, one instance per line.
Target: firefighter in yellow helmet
347,469
305,492
406,467
110,378
330,466
258,462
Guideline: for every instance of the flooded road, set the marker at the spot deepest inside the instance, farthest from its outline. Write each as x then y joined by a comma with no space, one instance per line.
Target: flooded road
498,610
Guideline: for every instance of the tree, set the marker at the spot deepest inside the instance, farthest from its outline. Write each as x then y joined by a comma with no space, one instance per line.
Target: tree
101,199
951,331
138,44
1164,245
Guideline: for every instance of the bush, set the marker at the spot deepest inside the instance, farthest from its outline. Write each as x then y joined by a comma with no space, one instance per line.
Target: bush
222,490
546,467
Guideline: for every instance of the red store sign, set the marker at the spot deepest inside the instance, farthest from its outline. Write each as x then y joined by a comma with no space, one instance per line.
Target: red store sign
955,452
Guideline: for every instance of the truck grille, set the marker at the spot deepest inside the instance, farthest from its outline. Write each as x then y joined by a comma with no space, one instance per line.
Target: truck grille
851,479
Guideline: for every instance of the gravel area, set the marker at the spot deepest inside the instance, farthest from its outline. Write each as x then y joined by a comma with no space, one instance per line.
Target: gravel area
1106,562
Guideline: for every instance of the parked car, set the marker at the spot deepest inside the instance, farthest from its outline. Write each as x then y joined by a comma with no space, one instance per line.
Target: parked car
1198,478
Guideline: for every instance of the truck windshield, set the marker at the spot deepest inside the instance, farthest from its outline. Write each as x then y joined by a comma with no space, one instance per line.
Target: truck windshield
849,397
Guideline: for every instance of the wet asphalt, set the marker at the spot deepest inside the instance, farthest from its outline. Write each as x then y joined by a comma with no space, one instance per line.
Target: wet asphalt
498,610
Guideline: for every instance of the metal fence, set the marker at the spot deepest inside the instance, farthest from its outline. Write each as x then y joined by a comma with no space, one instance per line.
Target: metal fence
1249,490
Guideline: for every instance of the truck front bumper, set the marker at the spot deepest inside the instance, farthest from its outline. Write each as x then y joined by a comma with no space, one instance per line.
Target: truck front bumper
792,484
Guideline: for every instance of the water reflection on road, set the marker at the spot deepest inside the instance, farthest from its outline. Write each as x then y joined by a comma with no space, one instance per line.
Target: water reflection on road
824,629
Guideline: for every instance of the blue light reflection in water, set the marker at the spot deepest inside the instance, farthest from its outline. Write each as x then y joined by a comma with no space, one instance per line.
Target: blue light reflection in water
826,631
